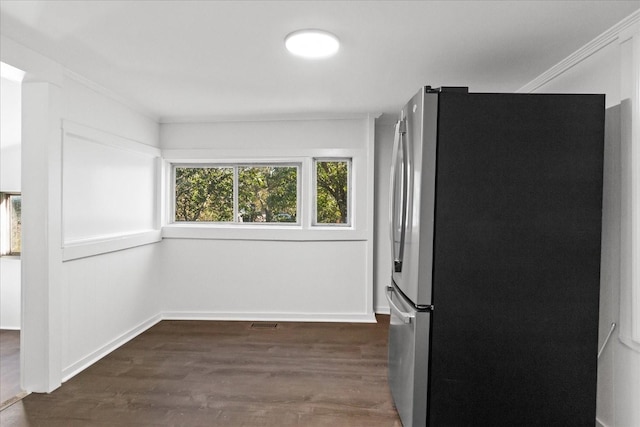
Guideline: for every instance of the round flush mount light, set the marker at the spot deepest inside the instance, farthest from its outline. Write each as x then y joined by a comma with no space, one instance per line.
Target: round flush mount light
312,44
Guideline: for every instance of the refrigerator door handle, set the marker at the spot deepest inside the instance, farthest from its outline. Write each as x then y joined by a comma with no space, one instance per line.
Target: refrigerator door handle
398,144
404,316
392,185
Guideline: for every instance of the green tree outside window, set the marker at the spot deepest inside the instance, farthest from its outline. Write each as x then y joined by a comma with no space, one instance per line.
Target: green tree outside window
332,192
265,194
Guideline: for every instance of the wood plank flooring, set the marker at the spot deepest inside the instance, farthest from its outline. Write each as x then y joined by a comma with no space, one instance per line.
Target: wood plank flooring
197,373
9,364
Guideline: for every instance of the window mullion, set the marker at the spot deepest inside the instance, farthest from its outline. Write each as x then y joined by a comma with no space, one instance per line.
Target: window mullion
236,214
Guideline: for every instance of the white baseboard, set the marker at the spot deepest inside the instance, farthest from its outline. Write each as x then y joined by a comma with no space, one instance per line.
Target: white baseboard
600,423
85,362
272,317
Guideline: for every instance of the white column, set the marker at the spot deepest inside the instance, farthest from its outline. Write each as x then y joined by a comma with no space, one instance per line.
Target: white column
41,338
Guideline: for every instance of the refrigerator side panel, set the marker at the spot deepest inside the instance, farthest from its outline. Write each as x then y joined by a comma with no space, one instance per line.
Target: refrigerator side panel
517,260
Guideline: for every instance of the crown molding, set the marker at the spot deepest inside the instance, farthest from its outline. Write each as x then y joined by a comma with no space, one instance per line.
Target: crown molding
265,118
618,31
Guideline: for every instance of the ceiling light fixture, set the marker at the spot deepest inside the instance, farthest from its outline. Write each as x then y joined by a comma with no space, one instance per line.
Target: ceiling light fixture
312,44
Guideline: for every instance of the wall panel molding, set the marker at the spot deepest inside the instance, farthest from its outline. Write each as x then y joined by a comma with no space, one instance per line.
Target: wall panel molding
105,179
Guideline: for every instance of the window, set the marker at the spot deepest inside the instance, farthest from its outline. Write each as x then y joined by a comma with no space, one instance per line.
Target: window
10,218
204,194
253,193
268,194
332,191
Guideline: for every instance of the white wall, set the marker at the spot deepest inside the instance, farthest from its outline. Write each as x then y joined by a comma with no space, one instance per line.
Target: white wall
10,170
108,163
300,272
612,69
107,300
10,119
109,185
91,105
276,280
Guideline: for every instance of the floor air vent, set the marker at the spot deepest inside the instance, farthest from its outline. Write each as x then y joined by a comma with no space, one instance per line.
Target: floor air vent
264,325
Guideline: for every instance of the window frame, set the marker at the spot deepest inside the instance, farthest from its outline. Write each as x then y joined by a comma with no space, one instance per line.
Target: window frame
6,224
361,195
235,165
314,191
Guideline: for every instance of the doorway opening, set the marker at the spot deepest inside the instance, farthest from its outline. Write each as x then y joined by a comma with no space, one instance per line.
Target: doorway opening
10,233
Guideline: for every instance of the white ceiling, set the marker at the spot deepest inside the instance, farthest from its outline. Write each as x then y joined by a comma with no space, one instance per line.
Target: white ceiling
208,59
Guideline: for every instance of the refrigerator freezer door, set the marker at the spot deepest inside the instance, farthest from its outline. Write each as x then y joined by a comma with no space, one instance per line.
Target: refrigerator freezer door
408,359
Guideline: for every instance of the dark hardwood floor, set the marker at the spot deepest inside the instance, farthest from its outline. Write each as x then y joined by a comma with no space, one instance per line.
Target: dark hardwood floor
197,373
9,364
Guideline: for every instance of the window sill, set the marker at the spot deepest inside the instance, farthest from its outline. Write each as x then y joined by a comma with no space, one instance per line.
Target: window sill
262,232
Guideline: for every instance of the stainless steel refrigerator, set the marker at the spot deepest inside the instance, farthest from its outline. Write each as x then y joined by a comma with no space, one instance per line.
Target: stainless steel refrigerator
496,207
